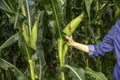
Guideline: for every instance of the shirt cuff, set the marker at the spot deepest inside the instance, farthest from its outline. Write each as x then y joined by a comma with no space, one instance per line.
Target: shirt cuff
91,50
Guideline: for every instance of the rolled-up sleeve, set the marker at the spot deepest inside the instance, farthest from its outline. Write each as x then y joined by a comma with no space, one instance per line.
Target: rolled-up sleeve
106,45
91,49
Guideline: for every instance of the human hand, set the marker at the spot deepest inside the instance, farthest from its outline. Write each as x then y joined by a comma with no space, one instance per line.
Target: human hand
70,41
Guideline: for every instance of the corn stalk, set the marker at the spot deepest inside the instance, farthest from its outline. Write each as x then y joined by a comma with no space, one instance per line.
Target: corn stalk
56,8
68,30
30,36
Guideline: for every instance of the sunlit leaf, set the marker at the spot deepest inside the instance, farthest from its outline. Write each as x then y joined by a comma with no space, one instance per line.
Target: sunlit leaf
33,36
25,32
95,75
71,27
79,74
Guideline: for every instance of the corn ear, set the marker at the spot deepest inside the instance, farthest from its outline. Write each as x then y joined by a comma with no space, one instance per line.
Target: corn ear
25,32
33,36
70,28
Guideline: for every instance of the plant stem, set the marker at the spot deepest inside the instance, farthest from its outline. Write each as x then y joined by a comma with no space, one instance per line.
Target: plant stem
60,52
30,64
32,69
63,76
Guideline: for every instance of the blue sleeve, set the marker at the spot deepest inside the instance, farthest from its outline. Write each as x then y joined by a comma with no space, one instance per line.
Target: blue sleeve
106,45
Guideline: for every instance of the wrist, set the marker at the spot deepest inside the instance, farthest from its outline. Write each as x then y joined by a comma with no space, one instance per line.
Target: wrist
73,43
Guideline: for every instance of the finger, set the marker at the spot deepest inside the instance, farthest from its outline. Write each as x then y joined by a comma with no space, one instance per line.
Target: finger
70,37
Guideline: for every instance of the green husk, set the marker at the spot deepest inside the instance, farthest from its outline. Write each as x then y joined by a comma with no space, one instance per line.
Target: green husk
70,28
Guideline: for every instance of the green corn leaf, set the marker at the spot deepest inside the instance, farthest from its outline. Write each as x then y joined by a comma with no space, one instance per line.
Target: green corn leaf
10,4
6,5
25,32
117,2
25,50
96,75
29,17
62,3
79,73
17,15
65,49
88,6
117,12
6,8
23,8
10,41
54,11
3,6
33,36
40,70
70,28
6,65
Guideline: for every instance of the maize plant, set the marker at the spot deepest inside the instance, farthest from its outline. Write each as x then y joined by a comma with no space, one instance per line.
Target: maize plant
33,44
26,36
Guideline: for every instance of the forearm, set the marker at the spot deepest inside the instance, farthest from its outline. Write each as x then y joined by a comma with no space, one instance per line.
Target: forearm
81,47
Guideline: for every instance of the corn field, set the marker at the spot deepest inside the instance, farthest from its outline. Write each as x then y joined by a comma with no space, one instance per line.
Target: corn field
33,44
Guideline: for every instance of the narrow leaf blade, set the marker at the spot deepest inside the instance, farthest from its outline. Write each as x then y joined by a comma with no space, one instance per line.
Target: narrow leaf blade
5,65
10,41
80,74
96,75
